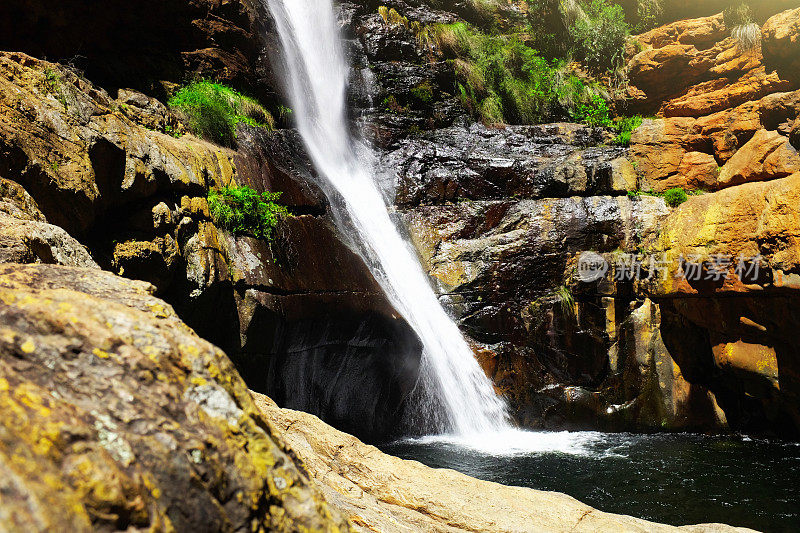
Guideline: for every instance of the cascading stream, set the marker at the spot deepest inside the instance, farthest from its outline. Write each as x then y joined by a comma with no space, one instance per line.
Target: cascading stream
456,394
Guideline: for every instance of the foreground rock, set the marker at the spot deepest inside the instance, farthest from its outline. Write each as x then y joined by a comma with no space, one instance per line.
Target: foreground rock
382,493
116,416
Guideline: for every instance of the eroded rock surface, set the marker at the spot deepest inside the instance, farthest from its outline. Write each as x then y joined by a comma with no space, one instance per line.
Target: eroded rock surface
116,416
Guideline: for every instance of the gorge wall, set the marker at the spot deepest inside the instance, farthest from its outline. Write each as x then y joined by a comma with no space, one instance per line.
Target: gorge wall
499,215
118,412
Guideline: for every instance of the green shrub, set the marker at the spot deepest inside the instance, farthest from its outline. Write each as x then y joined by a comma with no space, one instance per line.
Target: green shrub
213,111
242,210
675,197
599,35
625,127
595,112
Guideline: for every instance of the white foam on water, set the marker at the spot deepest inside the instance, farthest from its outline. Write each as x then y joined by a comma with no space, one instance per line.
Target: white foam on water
515,442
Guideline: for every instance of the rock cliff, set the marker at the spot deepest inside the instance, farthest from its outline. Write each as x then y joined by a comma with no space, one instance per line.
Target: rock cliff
120,414
113,174
500,217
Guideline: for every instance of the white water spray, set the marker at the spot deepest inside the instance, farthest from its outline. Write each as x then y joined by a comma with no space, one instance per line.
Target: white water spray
457,394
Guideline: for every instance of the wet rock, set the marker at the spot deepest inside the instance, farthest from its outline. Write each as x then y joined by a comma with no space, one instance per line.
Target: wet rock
117,416
477,163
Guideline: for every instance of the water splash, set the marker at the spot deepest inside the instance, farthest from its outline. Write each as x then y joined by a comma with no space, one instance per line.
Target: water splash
454,395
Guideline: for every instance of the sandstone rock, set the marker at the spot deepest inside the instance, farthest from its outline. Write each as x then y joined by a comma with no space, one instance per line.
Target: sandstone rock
78,157
701,33
671,153
780,38
117,416
730,129
693,68
750,220
768,155
32,241
16,202
718,95
385,493
686,152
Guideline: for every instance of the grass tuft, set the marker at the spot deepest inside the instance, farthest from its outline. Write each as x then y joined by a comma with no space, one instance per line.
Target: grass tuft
213,111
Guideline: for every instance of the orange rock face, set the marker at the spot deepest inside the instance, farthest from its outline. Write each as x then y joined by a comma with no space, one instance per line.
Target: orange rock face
781,43
729,113
768,155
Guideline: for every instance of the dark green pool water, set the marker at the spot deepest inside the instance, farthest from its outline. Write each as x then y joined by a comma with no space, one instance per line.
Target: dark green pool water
677,479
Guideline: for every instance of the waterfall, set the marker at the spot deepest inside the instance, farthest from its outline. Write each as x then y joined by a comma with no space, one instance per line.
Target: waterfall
453,395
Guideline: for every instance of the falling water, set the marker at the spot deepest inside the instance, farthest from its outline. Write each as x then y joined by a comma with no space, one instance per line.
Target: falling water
454,395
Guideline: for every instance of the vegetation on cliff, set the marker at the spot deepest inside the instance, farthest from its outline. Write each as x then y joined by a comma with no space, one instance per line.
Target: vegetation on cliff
243,210
213,111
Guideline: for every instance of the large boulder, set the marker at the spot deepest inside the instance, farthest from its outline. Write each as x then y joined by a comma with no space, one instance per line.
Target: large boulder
780,37
768,155
116,416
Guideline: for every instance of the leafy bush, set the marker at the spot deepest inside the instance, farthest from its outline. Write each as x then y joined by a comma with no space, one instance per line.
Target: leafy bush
213,111
242,210
595,112
675,197
625,127
600,34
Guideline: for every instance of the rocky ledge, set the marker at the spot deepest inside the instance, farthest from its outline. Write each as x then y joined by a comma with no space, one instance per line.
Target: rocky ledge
378,492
